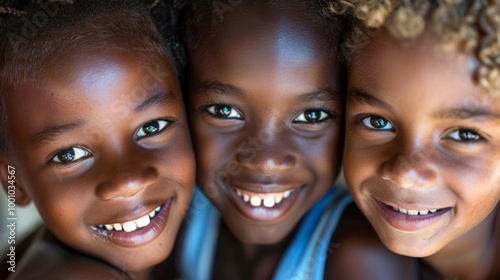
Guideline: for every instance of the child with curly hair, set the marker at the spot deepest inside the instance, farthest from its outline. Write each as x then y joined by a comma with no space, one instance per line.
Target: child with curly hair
266,104
422,154
93,131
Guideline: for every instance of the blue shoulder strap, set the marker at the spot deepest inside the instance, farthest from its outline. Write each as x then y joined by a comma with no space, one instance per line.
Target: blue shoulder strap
198,239
306,255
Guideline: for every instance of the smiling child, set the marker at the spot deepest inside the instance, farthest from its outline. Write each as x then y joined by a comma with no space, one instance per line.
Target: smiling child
266,101
422,156
93,123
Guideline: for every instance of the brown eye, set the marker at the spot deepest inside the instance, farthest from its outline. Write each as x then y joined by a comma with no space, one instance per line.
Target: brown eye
465,135
151,128
70,155
224,112
377,123
312,116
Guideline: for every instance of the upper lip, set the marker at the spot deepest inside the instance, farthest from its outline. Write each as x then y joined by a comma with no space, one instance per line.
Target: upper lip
264,184
412,205
126,213
263,188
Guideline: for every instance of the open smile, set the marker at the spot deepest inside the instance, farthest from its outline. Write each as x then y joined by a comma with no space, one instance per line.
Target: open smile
263,206
136,232
133,225
410,219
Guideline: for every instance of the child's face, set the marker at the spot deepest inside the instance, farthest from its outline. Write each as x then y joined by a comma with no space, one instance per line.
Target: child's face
100,146
421,135
267,112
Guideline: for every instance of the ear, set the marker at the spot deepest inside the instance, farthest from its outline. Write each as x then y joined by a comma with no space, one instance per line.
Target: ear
10,178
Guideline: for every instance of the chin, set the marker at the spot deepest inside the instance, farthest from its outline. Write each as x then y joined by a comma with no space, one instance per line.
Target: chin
261,236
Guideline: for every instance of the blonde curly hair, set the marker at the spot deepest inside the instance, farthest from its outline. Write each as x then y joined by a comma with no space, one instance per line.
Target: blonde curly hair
471,26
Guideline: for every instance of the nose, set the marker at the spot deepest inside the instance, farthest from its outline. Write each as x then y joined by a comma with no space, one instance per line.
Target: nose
410,168
126,180
268,153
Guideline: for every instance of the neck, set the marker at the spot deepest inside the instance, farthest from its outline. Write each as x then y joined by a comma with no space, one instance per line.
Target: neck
472,255
141,275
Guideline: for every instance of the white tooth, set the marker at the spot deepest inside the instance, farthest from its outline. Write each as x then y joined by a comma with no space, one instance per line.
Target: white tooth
403,211
100,226
246,198
269,202
238,193
412,212
278,199
118,227
255,201
152,214
433,211
142,221
109,227
395,208
287,193
129,226
158,208
423,212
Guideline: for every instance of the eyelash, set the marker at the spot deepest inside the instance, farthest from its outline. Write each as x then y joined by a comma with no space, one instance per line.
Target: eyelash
205,109
59,153
330,114
475,132
359,120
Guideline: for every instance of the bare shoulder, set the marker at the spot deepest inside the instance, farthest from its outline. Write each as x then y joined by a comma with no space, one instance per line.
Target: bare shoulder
49,259
359,254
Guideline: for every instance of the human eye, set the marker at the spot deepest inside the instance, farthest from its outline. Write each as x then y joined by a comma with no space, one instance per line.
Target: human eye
312,116
70,154
376,123
223,111
465,136
150,128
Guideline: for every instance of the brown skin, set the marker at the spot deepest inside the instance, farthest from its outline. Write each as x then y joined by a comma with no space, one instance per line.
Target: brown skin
265,68
118,173
419,157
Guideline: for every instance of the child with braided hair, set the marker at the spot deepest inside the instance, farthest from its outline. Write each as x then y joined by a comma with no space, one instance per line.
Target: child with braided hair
93,131
422,154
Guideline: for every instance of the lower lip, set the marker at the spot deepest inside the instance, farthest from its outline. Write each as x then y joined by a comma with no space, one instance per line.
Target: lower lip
141,236
406,222
262,213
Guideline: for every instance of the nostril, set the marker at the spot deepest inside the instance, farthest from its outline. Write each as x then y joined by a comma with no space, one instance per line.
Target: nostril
125,182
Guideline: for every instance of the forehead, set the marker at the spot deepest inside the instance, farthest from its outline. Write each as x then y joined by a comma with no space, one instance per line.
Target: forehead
257,41
83,83
420,72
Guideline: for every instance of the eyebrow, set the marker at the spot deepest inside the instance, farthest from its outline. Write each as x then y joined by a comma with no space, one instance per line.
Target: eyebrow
53,132
323,95
158,98
465,112
218,88
362,97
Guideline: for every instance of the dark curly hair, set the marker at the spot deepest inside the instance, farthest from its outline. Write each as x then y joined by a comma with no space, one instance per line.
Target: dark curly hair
470,26
38,33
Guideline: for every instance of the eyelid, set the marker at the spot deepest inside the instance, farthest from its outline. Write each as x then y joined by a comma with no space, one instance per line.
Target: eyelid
358,120
473,130
206,109
163,124
51,157
328,114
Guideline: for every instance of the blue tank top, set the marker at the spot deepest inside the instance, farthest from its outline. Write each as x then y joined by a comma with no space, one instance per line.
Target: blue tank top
304,258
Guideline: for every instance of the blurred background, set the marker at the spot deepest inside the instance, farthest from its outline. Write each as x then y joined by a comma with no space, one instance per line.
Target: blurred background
27,220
